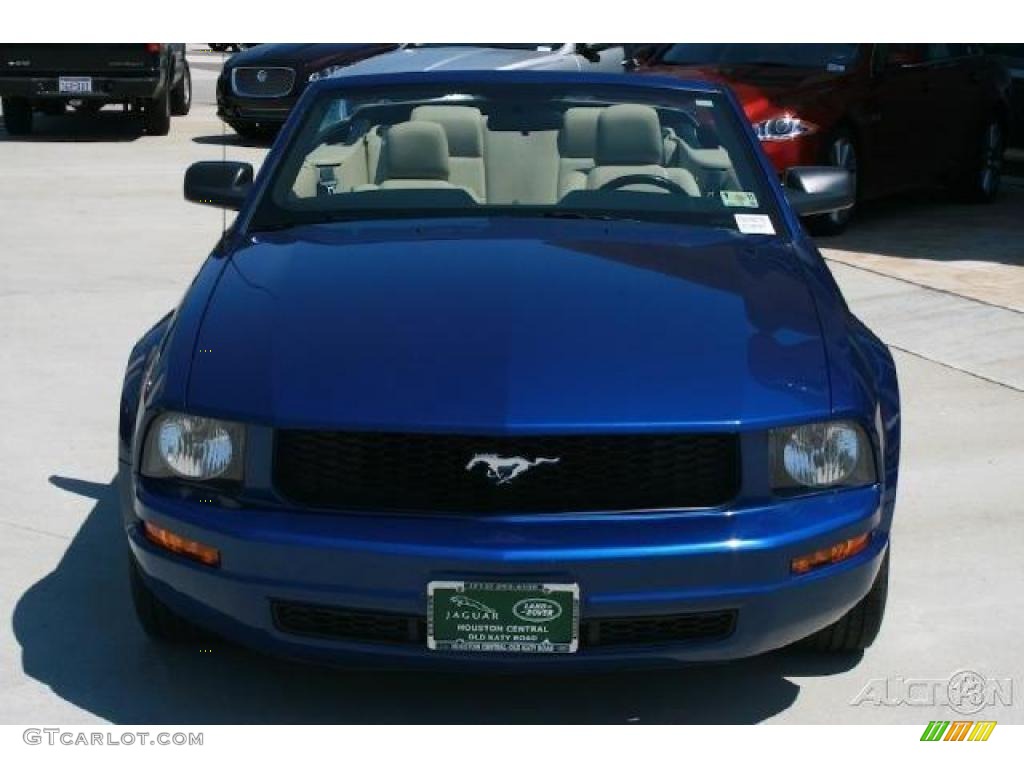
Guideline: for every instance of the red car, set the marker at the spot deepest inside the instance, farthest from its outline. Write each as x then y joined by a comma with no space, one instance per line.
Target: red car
898,116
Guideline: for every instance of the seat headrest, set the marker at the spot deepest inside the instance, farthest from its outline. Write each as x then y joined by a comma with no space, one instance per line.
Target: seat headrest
629,134
578,137
416,151
463,126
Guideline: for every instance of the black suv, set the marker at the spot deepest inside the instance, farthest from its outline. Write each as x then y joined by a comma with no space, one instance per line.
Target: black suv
151,78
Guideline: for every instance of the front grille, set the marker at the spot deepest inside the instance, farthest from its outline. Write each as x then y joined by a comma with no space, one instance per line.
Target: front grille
262,82
331,623
429,472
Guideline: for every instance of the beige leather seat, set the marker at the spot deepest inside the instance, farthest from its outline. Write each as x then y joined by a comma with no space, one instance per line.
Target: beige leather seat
577,145
630,142
414,155
464,128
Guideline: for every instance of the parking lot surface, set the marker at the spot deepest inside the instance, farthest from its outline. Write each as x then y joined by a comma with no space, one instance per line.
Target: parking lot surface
97,244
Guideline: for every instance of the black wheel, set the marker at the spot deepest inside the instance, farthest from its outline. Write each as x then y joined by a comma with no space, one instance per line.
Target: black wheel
53,108
841,152
17,116
980,182
858,629
181,96
157,114
158,621
84,107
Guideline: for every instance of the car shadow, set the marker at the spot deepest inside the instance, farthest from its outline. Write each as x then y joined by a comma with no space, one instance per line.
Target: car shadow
232,139
78,636
935,226
106,125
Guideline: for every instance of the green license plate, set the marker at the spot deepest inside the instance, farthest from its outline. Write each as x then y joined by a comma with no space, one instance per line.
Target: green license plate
504,618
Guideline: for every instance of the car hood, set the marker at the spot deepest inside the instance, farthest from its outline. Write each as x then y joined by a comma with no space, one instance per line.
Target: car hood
763,91
475,326
453,58
303,55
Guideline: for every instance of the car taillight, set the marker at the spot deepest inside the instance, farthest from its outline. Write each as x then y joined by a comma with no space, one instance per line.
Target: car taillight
152,47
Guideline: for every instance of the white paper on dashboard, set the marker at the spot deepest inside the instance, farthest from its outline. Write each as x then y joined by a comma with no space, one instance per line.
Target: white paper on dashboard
754,224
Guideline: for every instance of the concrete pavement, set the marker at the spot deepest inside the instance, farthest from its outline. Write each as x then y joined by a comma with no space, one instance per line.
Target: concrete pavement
97,244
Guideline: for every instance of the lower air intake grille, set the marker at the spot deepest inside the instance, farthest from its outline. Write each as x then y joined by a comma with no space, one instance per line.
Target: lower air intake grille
345,624
333,623
650,630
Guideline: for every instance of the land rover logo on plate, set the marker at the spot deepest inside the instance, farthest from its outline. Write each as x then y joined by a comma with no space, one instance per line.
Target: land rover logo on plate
537,610
505,469
261,76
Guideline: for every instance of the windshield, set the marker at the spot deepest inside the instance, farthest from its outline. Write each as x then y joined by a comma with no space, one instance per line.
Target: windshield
809,55
524,149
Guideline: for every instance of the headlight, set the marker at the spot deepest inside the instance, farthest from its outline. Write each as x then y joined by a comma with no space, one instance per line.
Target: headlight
194,448
326,72
783,128
824,455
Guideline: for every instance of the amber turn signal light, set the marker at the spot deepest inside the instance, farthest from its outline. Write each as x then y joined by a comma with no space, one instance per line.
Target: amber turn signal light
843,550
179,545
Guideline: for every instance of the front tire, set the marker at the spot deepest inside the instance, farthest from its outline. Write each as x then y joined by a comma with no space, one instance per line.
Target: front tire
980,183
859,627
181,96
157,114
157,620
17,116
842,153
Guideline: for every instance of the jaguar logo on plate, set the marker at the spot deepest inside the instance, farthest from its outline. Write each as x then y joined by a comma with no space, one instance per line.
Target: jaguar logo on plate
261,76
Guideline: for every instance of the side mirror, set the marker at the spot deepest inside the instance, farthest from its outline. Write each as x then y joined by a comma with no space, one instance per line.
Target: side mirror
221,184
813,190
588,53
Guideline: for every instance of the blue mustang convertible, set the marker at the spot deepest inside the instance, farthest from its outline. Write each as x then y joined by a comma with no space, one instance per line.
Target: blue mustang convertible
509,369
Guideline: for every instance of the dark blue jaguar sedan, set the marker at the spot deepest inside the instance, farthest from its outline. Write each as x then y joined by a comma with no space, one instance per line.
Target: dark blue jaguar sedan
512,369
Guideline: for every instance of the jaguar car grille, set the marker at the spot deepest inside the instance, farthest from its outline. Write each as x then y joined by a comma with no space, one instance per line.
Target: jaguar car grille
262,82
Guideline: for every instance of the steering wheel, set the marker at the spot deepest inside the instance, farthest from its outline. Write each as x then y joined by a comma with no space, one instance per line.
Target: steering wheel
643,178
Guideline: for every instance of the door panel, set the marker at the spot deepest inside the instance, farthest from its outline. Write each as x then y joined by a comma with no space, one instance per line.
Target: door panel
899,127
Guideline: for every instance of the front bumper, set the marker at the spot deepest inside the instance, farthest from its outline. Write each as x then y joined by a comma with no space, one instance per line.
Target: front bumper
626,565
804,150
45,88
265,112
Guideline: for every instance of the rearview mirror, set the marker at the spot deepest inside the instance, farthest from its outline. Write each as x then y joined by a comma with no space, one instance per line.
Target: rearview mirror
813,190
223,184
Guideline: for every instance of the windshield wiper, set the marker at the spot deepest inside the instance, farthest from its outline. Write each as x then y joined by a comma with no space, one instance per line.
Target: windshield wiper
589,215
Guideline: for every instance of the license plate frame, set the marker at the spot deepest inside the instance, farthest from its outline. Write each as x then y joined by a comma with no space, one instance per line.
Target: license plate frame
74,85
503,617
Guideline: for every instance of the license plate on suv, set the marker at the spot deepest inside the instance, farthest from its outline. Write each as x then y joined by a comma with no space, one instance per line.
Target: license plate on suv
74,85
501,617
